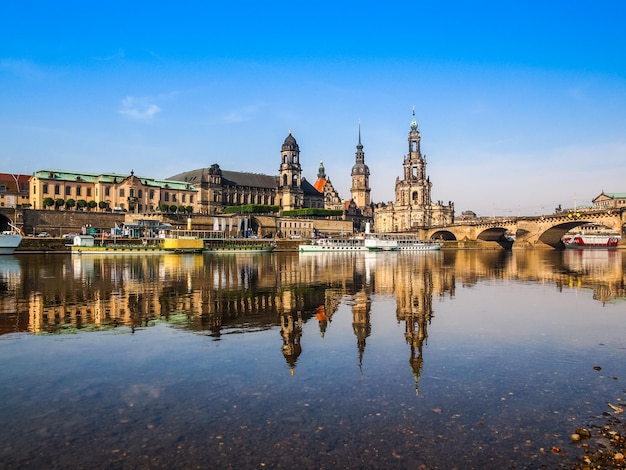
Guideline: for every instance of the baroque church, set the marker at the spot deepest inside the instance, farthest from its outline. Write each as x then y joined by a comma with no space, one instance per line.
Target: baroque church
288,190
413,208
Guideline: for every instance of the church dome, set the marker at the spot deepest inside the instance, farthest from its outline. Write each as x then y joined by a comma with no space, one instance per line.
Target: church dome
360,169
290,143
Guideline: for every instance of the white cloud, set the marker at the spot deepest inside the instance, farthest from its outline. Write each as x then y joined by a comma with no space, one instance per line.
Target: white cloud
240,115
21,68
139,108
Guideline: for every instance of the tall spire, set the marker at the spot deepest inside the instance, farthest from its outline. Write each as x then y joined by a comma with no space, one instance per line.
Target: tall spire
360,156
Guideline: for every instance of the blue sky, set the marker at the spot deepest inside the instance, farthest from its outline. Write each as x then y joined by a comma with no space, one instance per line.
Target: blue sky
521,105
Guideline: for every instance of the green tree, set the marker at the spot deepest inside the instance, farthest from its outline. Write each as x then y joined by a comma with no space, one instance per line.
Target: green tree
164,207
70,203
189,209
103,205
92,205
48,202
81,204
173,208
181,209
58,203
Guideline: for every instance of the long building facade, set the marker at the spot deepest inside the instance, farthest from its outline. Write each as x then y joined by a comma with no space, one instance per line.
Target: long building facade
222,188
110,191
413,208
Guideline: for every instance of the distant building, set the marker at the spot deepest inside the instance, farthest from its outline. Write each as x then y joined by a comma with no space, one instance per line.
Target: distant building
110,191
324,186
609,201
14,191
413,208
288,190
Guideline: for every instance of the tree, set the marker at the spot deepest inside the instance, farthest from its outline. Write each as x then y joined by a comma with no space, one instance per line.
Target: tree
70,203
58,203
103,205
48,202
189,209
181,209
164,207
173,208
92,205
81,204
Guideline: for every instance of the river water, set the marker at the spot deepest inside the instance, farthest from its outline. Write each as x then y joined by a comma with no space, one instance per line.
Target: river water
453,359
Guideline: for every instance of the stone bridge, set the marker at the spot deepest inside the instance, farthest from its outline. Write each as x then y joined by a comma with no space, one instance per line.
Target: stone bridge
541,231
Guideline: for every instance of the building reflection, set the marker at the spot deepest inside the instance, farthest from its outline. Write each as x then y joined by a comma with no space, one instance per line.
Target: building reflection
216,295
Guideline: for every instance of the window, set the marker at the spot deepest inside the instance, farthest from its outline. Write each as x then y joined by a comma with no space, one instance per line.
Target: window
88,192
68,191
191,198
107,191
152,194
132,192
78,190
122,193
166,197
139,193
184,197
57,189
45,188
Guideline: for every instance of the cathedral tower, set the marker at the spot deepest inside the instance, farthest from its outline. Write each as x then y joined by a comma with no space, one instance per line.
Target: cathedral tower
290,185
415,188
360,190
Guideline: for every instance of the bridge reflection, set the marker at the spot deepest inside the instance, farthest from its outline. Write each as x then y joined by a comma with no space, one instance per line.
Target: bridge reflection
225,295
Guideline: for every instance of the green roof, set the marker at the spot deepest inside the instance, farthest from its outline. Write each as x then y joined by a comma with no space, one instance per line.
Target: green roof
61,175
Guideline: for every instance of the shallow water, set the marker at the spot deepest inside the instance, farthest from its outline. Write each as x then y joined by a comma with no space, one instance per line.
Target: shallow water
456,359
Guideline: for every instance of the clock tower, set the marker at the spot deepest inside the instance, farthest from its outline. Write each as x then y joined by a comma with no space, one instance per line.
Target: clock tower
360,190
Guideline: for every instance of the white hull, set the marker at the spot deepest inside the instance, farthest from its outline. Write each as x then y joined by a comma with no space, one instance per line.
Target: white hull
420,246
334,245
9,242
378,242
587,241
399,242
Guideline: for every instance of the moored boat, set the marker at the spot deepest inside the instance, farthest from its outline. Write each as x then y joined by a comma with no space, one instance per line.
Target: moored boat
333,244
235,245
174,242
400,242
10,239
596,240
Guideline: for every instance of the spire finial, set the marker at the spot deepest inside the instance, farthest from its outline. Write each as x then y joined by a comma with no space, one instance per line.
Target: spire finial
414,121
359,131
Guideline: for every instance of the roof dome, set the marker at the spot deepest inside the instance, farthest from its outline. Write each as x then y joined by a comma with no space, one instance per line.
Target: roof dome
290,143
360,169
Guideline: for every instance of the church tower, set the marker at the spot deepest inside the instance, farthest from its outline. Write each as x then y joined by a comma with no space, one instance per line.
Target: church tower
360,190
290,184
415,188
414,208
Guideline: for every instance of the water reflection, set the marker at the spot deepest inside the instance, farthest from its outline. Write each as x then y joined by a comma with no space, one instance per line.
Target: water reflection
399,360
218,295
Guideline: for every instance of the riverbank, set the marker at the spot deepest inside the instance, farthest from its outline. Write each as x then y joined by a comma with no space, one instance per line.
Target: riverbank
59,245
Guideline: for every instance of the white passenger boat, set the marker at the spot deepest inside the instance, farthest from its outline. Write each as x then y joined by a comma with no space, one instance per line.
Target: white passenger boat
585,240
334,244
399,242
10,239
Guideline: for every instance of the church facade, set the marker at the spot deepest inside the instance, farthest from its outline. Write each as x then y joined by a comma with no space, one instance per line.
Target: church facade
288,190
413,208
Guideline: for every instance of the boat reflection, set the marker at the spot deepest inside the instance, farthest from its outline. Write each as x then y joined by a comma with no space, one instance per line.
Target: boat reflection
223,295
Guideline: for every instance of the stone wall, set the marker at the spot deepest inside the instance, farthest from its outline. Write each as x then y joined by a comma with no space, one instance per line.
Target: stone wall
57,223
